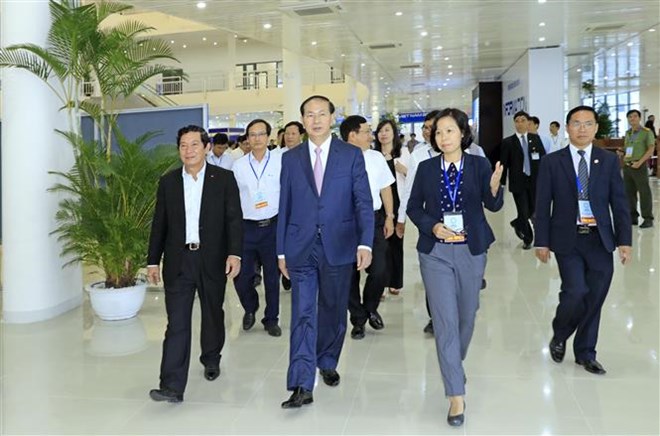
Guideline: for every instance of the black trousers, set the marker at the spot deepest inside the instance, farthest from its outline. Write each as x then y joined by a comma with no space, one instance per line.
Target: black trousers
394,262
359,308
525,206
179,297
586,273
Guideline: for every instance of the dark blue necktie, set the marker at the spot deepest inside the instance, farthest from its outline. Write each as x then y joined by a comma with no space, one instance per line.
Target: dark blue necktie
583,177
525,148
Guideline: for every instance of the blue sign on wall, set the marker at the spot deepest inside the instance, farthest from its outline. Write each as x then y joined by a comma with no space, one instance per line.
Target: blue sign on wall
412,117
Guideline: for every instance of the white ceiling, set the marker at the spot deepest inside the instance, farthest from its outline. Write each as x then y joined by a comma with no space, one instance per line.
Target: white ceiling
465,42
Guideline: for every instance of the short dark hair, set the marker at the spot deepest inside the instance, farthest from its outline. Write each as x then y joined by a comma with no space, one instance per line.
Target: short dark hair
298,124
280,131
521,114
241,139
351,124
189,129
581,108
434,113
257,121
555,123
396,139
633,111
220,139
535,120
413,135
461,119
317,97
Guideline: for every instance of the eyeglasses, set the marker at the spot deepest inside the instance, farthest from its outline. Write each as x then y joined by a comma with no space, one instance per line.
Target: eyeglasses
365,132
314,115
255,135
586,124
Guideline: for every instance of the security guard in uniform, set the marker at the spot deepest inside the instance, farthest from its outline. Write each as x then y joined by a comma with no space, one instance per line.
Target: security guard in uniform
638,148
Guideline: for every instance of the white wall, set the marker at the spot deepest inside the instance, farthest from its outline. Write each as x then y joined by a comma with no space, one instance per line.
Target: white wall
515,92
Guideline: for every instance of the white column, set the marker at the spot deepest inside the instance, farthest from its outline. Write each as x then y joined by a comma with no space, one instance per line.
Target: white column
36,286
292,70
230,64
546,86
352,105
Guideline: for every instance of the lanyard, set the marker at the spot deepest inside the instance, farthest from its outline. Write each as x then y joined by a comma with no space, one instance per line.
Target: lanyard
262,171
452,195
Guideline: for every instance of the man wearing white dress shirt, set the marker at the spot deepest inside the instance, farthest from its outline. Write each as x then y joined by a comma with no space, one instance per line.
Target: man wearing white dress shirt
242,149
218,155
356,131
258,177
556,141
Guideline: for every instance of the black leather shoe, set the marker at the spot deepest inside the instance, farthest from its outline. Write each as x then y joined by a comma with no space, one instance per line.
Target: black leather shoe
557,350
248,320
428,329
211,372
592,366
273,330
286,283
483,284
166,395
526,245
456,420
375,321
646,224
330,377
635,221
518,232
357,332
299,398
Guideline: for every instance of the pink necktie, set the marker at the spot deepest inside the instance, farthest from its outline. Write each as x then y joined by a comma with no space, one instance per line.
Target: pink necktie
318,170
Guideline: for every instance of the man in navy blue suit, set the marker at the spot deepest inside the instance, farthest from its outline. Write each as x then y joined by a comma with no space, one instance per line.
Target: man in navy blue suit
325,225
582,215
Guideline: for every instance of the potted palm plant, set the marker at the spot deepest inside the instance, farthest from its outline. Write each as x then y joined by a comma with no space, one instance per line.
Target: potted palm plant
103,219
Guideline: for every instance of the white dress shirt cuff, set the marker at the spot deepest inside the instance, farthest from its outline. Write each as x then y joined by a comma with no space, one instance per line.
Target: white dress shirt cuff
366,247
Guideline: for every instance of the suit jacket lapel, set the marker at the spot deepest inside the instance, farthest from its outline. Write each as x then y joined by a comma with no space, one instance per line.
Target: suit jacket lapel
594,169
332,162
306,164
179,200
206,193
567,164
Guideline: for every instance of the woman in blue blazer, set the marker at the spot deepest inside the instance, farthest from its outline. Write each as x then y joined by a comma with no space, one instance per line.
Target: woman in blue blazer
447,204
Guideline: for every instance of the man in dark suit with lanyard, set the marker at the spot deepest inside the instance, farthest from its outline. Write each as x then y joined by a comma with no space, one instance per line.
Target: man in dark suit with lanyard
520,156
582,215
325,225
197,225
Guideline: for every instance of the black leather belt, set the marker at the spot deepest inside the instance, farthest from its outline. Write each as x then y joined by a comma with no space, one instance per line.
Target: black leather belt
194,246
585,230
263,223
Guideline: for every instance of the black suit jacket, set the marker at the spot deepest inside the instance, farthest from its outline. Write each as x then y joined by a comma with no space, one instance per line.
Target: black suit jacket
220,223
512,159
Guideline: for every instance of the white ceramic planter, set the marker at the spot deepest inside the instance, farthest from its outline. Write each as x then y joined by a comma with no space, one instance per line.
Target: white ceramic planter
115,304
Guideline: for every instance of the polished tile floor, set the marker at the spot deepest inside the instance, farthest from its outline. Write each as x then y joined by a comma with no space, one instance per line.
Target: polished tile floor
79,375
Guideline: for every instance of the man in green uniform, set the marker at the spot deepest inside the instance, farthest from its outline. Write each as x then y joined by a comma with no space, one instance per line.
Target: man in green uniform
638,148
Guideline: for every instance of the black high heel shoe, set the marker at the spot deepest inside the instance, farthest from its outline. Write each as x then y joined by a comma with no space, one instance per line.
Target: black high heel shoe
456,420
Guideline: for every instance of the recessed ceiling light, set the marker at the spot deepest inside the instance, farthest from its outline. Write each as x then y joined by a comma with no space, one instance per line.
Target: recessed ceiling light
381,77
245,40
613,54
450,66
651,30
423,33
313,42
398,14
172,41
185,46
439,89
541,24
439,47
451,73
215,42
343,55
630,44
267,26
204,38
605,77
579,70
362,64
235,35
541,39
541,1
201,5
446,58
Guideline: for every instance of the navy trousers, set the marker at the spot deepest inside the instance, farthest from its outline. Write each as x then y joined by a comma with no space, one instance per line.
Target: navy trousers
586,274
259,246
319,302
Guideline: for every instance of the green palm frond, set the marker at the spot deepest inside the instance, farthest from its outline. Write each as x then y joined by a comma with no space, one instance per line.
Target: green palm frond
106,8
19,57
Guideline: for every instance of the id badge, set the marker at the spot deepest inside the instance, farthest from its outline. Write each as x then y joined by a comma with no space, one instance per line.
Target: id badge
629,151
454,221
586,215
535,156
259,200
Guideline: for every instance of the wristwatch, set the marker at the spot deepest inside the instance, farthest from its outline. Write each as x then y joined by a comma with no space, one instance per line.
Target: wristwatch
389,215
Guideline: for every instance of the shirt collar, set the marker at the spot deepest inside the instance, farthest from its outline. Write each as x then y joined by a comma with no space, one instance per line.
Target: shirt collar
200,174
587,150
324,146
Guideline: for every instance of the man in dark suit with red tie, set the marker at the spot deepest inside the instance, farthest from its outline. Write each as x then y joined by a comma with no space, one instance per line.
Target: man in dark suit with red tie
582,215
325,225
520,155
197,225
